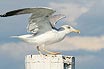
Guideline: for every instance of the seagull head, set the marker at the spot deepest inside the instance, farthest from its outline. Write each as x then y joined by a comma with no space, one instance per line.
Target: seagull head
69,29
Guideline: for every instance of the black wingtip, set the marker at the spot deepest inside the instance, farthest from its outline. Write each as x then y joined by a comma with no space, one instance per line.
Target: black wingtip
3,15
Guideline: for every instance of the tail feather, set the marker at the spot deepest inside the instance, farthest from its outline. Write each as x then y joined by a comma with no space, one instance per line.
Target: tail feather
14,36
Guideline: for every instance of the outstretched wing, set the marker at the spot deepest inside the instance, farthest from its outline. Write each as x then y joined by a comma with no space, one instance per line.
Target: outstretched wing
39,24
18,12
39,21
55,18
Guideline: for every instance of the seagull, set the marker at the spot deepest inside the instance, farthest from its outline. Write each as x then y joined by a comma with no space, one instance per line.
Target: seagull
41,28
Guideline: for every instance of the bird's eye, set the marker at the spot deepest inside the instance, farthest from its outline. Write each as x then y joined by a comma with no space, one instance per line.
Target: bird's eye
68,27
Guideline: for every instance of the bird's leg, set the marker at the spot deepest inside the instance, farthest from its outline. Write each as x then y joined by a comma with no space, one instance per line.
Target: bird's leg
39,50
49,52
52,53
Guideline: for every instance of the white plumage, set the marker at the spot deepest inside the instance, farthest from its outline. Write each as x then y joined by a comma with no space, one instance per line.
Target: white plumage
42,27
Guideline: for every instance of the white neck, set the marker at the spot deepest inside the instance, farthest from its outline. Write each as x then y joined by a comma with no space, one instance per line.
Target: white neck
64,32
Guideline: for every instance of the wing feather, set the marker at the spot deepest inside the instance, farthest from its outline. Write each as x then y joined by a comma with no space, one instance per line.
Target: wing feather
28,11
39,21
55,18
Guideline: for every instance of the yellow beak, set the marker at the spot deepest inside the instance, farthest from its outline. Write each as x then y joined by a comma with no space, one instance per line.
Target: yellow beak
76,31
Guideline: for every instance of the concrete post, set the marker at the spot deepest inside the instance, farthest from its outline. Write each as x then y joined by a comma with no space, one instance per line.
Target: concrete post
49,62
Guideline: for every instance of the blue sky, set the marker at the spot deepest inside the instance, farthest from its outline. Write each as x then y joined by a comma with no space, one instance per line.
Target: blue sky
87,47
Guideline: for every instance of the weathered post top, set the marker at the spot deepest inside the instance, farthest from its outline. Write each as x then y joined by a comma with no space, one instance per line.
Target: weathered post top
49,62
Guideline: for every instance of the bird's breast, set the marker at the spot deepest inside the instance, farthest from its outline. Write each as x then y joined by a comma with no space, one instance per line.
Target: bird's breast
49,38
46,38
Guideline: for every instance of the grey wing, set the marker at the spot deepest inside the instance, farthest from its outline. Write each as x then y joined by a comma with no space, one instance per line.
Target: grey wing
44,11
39,25
55,18
39,21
